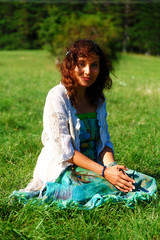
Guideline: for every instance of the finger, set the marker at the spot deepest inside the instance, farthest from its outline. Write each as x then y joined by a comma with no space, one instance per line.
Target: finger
127,178
122,170
121,167
121,189
126,185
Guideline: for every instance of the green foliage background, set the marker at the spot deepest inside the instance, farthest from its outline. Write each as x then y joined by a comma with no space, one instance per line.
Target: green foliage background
132,26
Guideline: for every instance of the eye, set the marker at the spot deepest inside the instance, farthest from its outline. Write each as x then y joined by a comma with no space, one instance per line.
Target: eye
81,64
95,65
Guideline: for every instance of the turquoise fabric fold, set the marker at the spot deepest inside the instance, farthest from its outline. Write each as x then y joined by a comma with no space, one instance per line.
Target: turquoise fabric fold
94,191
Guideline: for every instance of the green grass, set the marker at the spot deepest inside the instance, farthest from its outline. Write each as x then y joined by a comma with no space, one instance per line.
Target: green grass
133,117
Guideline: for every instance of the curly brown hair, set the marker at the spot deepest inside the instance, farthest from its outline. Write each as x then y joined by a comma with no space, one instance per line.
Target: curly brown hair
84,48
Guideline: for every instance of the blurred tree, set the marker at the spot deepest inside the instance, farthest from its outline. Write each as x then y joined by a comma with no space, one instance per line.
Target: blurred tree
63,26
144,29
19,24
116,26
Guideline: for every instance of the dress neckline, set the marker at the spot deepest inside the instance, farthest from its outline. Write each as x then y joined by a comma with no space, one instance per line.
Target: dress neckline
82,116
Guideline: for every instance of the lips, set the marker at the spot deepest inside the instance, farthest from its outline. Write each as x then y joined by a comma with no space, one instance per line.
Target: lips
87,78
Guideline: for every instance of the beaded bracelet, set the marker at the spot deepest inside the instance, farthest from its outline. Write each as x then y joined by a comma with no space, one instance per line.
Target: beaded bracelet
112,164
104,167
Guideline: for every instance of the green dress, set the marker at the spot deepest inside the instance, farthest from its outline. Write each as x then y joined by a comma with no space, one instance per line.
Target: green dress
77,187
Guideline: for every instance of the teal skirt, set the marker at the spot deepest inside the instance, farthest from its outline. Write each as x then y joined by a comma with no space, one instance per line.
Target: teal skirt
86,190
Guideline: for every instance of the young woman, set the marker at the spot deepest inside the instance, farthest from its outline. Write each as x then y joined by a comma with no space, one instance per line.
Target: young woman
76,165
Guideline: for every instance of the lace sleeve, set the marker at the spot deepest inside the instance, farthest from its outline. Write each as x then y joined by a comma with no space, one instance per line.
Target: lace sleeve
108,141
102,119
56,133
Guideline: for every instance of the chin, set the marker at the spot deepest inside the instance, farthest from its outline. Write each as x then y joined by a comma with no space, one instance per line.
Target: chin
87,84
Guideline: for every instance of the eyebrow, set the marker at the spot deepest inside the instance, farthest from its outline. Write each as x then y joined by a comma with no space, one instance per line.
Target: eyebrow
83,60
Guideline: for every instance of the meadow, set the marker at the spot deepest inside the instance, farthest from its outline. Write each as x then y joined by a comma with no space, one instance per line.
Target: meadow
133,106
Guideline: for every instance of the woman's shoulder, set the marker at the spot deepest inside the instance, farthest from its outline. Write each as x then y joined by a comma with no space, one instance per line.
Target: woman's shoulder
58,89
102,108
102,102
57,98
58,92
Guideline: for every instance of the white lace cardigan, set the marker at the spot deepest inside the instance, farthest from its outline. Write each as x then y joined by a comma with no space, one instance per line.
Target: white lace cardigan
60,137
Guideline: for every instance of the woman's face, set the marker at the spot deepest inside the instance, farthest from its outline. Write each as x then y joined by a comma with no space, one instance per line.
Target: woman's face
87,70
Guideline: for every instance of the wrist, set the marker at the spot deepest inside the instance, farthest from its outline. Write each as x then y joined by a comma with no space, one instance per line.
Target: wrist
105,168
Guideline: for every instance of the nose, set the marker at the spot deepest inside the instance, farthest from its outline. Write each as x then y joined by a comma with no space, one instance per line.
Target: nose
87,69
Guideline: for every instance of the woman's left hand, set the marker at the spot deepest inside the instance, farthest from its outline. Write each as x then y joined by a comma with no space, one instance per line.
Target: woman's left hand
117,176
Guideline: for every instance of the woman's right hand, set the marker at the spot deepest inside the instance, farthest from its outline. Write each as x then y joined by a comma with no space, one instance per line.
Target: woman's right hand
117,176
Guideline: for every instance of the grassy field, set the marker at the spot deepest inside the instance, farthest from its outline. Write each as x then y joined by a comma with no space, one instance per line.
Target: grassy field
133,117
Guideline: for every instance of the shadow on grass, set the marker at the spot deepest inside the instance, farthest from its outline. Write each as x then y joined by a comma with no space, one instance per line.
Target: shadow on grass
7,206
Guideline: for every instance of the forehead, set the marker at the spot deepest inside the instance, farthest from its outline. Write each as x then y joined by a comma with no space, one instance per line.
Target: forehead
90,58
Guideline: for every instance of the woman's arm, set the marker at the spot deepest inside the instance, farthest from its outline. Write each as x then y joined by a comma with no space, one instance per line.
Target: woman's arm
107,156
114,175
81,160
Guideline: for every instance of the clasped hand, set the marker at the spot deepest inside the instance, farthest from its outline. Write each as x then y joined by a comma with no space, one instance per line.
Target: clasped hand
117,176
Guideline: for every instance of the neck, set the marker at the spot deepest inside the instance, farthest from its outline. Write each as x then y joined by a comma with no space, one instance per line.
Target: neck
80,94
